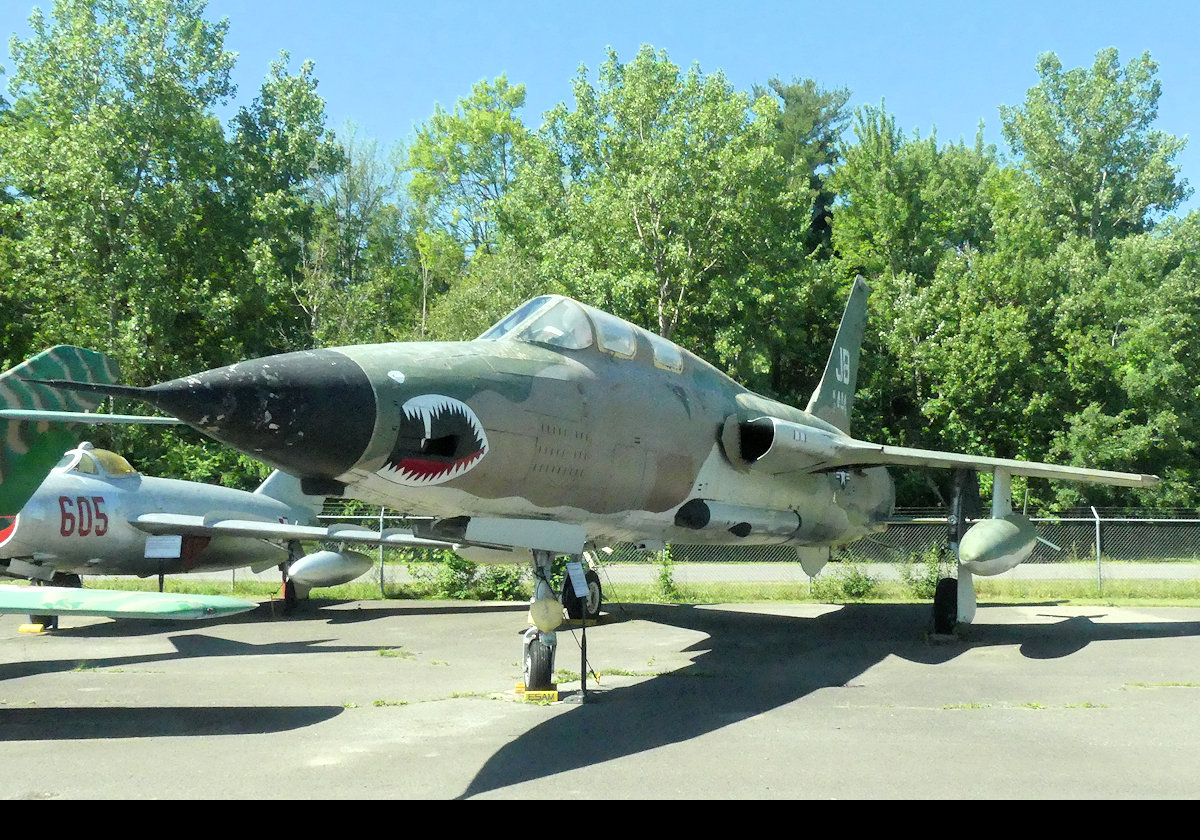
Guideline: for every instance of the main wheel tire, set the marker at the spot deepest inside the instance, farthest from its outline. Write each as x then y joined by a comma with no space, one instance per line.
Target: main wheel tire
539,667
589,606
945,606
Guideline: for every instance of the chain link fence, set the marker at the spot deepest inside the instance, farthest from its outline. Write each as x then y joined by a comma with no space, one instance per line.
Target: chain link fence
1090,546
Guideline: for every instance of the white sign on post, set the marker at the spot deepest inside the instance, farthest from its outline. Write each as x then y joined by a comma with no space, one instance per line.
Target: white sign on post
578,581
166,547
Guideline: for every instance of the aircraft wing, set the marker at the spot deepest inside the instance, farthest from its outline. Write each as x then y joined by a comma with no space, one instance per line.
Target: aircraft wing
776,446
175,523
61,600
904,456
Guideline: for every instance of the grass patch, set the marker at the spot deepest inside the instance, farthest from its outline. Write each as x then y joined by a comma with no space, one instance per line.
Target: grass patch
1163,685
857,587
1085,593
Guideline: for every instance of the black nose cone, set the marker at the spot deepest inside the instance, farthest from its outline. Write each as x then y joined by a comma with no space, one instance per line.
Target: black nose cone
310,413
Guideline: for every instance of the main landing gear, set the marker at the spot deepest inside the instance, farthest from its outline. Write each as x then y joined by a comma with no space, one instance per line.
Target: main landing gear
587,607
954,599
70,581
293,592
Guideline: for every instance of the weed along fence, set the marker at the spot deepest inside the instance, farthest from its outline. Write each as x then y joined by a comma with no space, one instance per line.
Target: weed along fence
1103,551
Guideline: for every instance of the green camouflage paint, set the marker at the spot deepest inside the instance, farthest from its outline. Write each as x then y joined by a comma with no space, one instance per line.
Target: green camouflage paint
29,450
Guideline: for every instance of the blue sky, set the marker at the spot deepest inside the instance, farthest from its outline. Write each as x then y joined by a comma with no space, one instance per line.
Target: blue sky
945,65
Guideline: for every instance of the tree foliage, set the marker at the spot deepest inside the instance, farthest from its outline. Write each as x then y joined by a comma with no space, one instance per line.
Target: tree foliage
1086,137
1044,308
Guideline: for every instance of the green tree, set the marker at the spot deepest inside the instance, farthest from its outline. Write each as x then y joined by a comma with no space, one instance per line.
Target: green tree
492,286
131,222
658,188
1128,332
114,159
279,146
357,282
808,138
461,164
1085,136
904,203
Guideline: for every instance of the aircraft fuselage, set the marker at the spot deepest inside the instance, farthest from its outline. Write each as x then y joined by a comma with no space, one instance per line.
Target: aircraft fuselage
514,429
81,524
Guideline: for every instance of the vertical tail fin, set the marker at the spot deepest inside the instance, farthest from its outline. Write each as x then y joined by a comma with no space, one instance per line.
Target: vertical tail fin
833,399
28,450
283,487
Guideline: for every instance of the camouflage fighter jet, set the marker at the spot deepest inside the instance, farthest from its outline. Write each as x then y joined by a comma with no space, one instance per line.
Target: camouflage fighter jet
563,426
93,513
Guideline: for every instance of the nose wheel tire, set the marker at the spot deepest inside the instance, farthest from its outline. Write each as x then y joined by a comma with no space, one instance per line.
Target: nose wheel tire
539,666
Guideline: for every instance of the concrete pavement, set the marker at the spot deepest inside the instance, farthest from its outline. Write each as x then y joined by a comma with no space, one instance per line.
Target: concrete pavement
389,699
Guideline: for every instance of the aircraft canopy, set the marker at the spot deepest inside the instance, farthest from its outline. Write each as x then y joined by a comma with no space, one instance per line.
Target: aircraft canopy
562,322
91,461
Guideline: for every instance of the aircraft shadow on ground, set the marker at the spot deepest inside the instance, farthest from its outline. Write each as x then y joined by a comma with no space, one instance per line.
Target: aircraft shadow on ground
45,723
187,646
751,663
400,609
75,724
325,611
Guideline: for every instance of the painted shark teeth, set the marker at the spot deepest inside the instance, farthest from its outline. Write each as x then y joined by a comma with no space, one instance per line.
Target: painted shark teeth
440,439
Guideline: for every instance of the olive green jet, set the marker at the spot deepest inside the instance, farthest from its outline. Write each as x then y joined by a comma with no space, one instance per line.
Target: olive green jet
563,428
29,450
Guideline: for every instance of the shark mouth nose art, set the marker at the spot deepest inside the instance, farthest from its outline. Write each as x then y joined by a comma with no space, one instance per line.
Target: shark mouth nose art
440,438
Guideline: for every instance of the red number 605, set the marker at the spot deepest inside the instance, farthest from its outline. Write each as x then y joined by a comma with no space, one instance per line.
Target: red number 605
82,515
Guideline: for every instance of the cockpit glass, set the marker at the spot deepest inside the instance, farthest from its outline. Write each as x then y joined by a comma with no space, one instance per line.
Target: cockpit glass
562,322
666,354
113,464
562,325
513,319
616,336
86,464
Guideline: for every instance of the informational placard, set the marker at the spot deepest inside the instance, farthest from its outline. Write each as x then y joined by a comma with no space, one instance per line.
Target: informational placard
165,547
578,581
